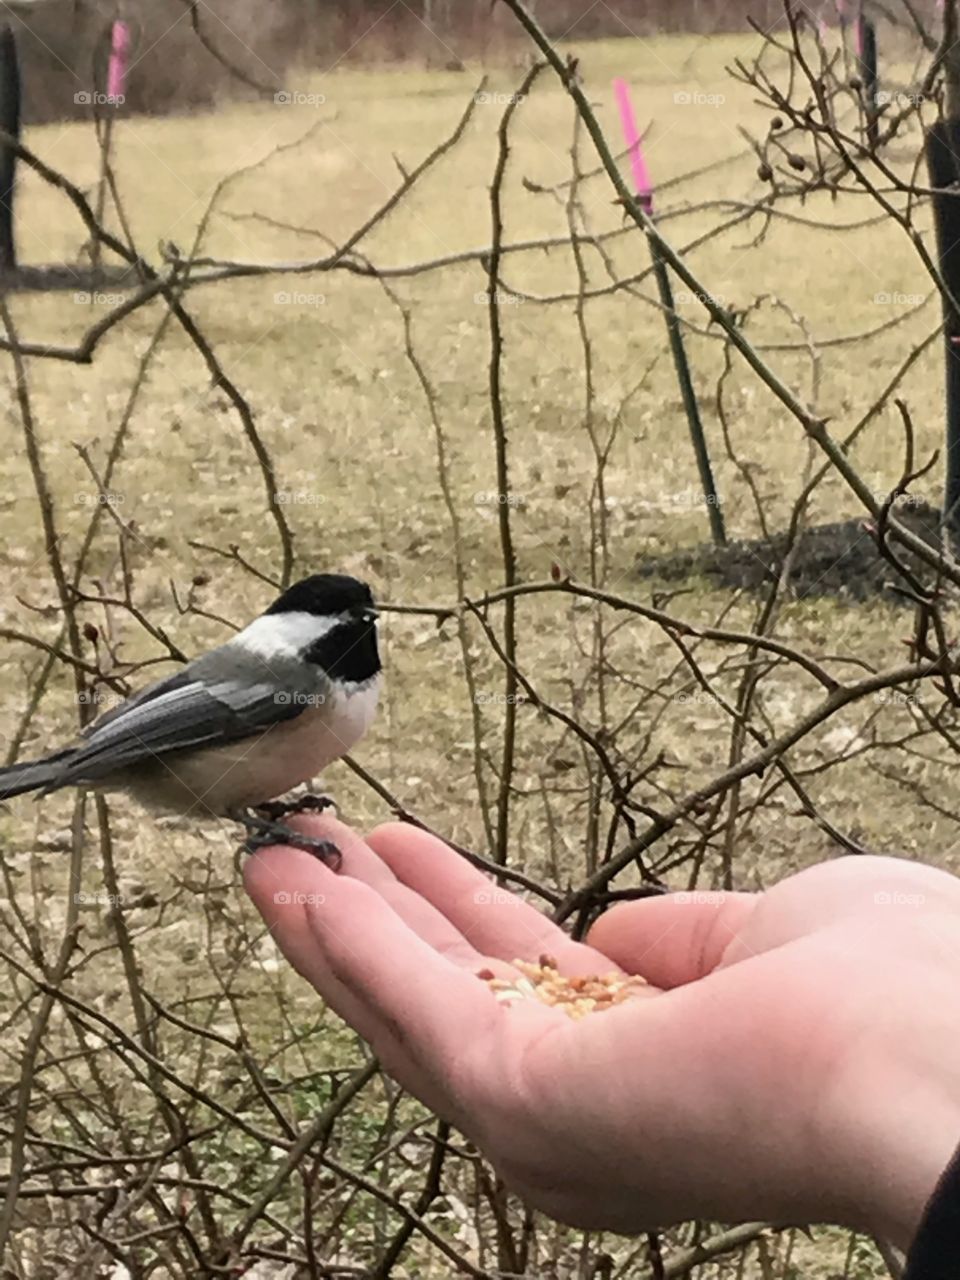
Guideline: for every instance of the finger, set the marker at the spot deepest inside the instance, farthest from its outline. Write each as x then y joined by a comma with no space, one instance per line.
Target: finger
443,1018
356,857
426,1017
289,886
362,863
673,939
282,882
493,920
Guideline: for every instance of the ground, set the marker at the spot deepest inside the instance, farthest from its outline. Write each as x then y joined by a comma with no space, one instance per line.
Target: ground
321,359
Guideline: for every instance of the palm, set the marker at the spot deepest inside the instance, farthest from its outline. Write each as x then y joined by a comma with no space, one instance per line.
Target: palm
760,1035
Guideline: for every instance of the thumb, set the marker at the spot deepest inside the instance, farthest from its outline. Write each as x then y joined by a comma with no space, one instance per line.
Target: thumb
673,939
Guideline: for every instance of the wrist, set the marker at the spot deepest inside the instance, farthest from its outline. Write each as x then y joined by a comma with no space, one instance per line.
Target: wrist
891,1154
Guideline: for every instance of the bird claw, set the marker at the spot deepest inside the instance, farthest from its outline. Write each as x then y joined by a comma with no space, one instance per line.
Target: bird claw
263,830
307,803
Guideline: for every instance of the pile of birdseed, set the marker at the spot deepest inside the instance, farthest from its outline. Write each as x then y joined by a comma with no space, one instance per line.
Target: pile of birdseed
576,997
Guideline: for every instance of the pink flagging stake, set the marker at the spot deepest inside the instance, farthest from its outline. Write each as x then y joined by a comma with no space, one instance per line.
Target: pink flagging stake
631,135
117,71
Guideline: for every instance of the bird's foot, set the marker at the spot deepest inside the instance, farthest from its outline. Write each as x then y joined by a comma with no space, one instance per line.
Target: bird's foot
263,830
307,803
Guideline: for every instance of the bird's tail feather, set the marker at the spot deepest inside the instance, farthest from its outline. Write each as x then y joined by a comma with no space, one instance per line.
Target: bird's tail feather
31,775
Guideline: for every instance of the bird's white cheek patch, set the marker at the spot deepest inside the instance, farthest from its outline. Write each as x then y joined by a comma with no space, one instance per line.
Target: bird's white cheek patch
283,634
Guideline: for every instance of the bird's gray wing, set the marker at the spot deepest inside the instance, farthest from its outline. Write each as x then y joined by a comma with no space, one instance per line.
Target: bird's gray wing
184,711
179,678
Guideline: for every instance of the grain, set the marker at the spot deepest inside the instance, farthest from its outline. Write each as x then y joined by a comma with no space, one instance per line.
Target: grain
575,996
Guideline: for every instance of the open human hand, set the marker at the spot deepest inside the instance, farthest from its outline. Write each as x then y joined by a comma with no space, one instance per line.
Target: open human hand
796,1056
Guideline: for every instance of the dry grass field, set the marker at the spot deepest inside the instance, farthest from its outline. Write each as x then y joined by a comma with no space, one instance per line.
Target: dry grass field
321,359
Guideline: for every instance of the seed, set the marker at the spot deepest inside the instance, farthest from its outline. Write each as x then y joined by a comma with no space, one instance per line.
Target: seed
576,996
507,995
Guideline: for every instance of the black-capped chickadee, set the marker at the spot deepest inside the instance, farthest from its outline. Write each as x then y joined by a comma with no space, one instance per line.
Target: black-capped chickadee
242,724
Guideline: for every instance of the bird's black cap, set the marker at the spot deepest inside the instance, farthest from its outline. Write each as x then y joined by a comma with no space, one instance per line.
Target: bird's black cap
324,594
